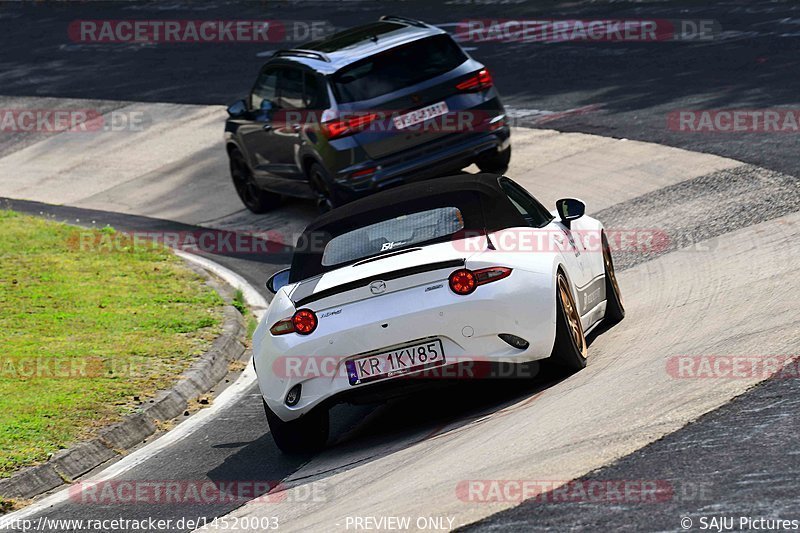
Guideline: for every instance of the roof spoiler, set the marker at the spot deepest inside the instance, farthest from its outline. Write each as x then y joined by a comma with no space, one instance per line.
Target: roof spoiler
404,20
313,54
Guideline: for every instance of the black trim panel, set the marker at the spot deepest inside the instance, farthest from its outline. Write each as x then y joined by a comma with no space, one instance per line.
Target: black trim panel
363,282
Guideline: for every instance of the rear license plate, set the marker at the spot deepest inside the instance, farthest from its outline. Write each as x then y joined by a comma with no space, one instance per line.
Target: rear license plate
395,362
420,115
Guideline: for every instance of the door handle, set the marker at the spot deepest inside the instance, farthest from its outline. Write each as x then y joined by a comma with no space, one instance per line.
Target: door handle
266,127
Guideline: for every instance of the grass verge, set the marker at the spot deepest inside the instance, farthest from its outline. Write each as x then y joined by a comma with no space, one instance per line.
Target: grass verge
91,324
239,303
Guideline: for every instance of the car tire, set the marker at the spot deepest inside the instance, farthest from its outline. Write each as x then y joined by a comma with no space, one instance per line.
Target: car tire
307,434
615,311
254,198
496,162
327,196
569,349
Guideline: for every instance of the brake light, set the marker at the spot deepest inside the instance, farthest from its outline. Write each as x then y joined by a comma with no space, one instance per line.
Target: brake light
348,126
364,172
478,82
464,281
304,322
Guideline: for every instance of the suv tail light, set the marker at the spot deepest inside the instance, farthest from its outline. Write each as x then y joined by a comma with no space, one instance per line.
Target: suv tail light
464,281
303,322
347,126
480,81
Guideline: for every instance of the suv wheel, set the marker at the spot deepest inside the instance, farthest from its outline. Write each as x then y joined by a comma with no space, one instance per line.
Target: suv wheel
327,197
254,198
495,162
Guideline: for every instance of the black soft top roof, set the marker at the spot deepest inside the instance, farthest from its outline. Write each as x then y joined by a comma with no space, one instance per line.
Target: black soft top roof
480,198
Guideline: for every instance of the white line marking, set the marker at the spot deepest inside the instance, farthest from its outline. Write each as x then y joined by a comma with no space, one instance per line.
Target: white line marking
253,298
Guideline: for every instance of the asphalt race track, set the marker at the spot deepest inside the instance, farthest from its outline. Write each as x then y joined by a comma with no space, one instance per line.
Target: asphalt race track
723,284
632,86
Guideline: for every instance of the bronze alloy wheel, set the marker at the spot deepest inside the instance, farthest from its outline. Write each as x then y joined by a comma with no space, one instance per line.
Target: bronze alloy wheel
571,312
612,276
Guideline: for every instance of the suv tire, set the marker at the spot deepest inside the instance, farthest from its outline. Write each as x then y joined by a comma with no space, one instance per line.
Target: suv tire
254,198
495,162
327,197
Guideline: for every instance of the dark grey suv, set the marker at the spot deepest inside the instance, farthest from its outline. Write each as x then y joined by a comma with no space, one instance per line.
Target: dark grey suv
382,104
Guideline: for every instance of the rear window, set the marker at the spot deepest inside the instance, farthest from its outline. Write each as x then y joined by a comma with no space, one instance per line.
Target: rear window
398,68
393,234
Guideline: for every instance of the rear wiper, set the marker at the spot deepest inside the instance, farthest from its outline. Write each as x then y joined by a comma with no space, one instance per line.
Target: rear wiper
383,256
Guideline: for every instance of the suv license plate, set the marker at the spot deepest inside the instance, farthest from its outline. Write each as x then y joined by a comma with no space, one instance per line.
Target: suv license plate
420,115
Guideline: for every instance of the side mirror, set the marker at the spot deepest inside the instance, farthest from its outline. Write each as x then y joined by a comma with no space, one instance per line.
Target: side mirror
237,109
264,113
278,280
570,209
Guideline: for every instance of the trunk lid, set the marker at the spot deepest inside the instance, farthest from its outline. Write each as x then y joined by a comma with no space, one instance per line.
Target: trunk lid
386,138
382,275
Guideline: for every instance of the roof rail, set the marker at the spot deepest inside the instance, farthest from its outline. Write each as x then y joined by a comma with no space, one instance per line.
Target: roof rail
313,54
406,20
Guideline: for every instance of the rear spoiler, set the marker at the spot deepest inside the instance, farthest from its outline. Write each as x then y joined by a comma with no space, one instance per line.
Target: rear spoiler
404,20
304,293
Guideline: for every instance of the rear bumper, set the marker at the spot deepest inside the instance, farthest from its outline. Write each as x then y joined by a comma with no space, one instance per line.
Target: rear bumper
422,162
467,326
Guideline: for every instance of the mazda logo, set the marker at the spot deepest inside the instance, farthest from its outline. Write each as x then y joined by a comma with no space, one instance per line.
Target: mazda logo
377,287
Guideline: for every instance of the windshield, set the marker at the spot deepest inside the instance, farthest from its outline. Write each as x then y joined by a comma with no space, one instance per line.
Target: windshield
398,68
393,234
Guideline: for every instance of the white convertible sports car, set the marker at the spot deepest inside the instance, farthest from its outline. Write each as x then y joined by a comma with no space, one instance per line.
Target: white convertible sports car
424,278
